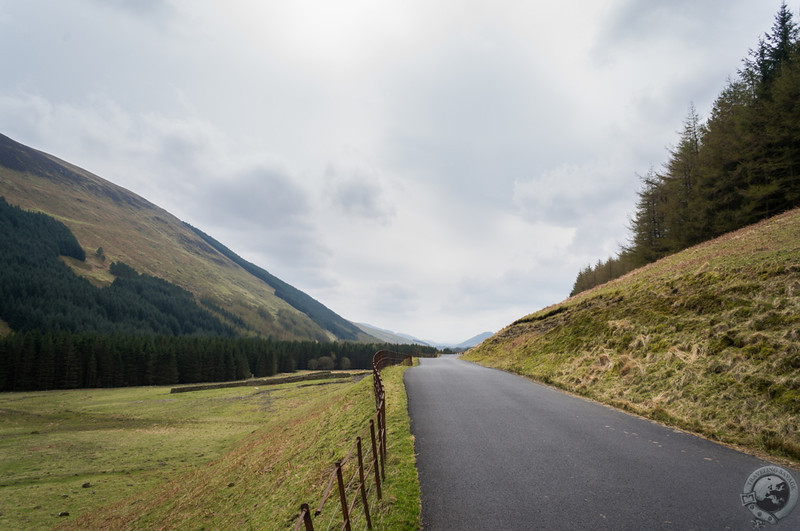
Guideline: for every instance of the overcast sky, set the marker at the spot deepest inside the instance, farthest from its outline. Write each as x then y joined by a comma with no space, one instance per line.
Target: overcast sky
437,168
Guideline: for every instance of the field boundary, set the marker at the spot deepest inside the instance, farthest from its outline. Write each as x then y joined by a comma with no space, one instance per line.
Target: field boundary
353,482
319,375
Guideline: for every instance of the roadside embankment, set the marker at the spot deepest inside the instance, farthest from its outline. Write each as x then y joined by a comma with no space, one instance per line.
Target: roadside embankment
705,340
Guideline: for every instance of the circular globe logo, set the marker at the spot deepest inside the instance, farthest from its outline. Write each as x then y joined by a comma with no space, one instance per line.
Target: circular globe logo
770,493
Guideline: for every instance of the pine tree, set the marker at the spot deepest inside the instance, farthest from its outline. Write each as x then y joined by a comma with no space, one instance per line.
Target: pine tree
783,130
782,40
773,51
5,365
680,181
47,363
722,172
648,227
70,377
771,132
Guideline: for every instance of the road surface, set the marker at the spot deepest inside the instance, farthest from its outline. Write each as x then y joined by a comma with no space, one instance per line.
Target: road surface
497,451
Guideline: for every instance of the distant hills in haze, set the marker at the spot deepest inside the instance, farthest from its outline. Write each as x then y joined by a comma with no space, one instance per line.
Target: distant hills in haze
475,341
399,338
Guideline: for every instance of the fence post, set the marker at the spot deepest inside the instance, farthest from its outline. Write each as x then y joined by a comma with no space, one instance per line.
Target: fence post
343,496
305,512
375,460
383,432
363,486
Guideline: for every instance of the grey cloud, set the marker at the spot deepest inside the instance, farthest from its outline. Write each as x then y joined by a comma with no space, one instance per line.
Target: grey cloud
263,197
702,28
648,20
477,114
522,285
294,253
25,116
358,194
138,7
264,214
394,298
573,194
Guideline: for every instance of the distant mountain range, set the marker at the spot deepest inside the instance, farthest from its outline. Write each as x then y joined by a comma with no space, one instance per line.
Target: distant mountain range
475,341
395,337
112,224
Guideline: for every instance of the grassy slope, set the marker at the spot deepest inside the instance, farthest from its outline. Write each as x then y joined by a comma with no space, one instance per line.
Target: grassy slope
134,231
239,458
707,340
401,508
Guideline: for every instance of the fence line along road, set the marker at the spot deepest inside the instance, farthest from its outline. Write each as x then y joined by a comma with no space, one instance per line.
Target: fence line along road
353,473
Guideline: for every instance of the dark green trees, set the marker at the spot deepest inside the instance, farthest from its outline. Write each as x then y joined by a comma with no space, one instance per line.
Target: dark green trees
35,360
39,292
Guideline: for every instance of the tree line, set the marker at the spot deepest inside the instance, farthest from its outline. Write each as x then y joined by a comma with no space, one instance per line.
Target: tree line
38,361
38,291
739,166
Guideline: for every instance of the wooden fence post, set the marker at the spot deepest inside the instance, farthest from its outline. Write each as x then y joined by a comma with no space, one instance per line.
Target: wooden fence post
382,432
363,486
343,496
375,459
305,512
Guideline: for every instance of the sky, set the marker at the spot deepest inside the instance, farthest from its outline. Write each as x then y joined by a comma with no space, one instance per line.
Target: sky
438,168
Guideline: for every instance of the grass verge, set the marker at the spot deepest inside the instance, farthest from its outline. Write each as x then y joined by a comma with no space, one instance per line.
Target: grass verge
401,508
705,340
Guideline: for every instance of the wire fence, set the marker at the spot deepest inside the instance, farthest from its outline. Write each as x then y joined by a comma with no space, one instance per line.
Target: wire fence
358,476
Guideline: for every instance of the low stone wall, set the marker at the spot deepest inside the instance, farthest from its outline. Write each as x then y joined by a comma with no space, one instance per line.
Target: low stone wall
258,382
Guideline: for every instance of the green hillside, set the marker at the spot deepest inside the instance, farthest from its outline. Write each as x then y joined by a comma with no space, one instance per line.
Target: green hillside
112,224
707,340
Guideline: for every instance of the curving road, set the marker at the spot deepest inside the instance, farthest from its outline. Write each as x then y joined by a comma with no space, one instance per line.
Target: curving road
497,451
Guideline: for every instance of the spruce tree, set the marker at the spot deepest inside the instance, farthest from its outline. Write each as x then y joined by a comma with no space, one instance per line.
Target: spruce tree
782,40
648,226
680,181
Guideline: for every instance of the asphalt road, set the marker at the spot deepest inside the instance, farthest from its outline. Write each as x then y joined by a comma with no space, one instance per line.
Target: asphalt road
497,451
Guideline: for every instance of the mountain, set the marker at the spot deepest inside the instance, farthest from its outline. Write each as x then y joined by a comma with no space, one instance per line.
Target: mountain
387,336
398,338
113,224
707,340
475,341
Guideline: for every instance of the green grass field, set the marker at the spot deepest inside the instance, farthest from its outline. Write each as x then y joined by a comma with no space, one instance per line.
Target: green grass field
241,458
